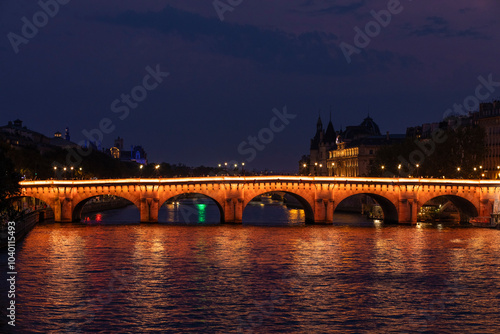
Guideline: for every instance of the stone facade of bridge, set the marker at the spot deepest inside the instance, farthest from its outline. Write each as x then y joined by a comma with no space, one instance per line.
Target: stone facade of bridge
400,199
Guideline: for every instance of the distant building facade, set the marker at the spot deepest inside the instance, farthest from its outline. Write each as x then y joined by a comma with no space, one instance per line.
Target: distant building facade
356,149
345,153
355,158
489,119
136,154
15,134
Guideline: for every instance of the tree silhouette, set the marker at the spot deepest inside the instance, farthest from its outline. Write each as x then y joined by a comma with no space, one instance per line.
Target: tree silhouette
9,181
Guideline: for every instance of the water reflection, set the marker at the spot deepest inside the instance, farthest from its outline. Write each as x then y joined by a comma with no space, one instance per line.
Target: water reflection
303,279
190,211
205,211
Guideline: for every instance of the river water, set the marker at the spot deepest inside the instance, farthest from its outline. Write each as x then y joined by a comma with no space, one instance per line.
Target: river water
112,275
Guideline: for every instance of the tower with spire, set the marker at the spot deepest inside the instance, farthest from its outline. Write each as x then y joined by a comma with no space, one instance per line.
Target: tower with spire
322,142
66,134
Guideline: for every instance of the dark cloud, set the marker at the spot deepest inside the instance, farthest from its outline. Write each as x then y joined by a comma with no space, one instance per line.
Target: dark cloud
227,76
313,8
440,27
311,53
436,20
466,10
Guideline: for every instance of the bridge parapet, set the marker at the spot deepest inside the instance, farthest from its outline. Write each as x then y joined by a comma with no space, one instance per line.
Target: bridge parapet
400,198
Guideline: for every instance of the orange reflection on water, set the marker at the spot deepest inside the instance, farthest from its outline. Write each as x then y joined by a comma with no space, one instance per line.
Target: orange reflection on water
326,278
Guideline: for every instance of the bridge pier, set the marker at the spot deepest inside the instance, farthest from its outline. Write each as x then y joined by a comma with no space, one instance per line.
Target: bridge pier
329,211
414,211
486,206
407,211
323,211
233,211
149,210
63,210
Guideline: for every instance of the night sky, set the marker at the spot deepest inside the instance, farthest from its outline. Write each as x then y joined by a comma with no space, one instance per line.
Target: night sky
226,76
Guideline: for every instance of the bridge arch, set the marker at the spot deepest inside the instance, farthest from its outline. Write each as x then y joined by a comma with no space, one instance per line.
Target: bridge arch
306,205
46,202
466,209
217,202
76,214
389,208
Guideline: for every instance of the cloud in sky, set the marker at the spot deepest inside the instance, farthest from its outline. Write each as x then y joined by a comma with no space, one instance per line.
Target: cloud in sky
312,52
313,7
440,27
227,76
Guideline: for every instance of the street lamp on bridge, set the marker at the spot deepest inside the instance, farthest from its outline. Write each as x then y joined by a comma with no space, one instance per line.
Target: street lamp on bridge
305,170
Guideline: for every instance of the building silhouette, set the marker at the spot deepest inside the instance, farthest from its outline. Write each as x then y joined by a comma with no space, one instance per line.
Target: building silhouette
136,154
348,153
322,142
489,119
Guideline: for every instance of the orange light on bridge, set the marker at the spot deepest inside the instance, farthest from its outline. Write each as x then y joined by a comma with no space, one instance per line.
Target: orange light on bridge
269,178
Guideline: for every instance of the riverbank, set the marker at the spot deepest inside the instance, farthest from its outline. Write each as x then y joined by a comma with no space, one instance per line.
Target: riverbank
24,224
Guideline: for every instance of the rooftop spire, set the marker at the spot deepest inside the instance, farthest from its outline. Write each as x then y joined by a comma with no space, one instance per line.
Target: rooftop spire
319,123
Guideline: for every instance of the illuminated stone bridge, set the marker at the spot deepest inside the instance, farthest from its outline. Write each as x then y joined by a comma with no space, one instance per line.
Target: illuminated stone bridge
400,199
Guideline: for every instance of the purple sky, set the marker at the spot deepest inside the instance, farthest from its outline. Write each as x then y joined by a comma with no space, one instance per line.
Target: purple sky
227,76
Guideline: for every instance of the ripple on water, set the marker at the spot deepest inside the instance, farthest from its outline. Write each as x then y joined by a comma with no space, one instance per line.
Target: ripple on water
308,279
